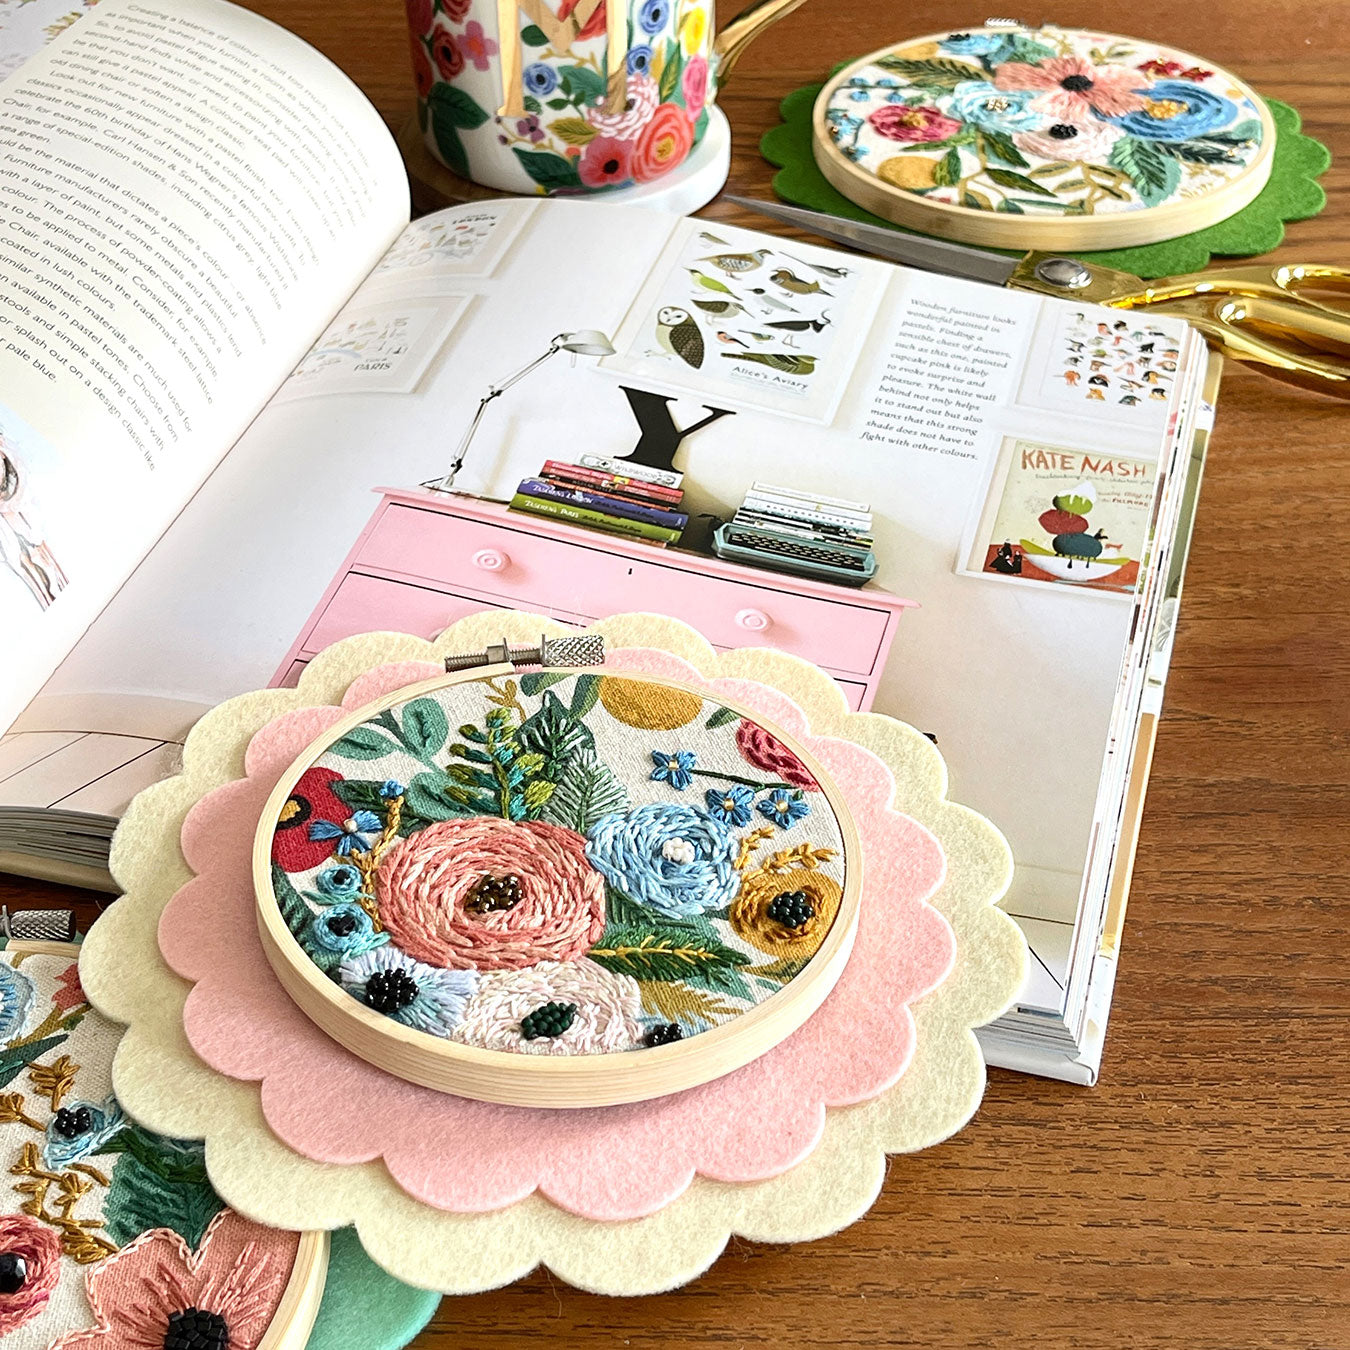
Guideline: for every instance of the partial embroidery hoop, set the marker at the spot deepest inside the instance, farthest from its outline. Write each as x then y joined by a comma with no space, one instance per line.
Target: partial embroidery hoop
294,1319
1140,224
573,1081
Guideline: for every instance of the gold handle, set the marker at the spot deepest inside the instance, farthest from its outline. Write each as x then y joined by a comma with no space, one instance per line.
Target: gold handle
737,35
1301,344
1285,281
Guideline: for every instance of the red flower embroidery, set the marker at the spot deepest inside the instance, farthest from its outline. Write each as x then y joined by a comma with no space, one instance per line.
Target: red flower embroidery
663,144
312,799
592,28
70,994
39,1248
446,53
423,75
421,15
898,123
767,752
1074,89
606,160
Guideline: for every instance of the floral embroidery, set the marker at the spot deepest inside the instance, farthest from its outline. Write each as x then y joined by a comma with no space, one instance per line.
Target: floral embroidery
16,999
78,1131
30,1268
393,983
789,887
1044,121
528,825
312,799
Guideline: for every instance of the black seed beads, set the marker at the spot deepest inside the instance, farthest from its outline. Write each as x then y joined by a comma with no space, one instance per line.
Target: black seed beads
1076,84
1062,131
662,1034
552,1019
342,925
13,1272
71,1124
195,1329
792,909
494,893
390,991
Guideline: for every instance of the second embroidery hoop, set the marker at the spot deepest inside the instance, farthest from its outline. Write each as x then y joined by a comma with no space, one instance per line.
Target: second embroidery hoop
1160,185
647,1069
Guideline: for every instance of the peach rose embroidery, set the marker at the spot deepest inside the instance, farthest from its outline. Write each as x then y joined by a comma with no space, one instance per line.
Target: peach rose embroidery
490,894
31,1257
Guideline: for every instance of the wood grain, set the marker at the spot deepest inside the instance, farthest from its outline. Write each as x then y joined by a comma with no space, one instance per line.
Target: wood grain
1198,1196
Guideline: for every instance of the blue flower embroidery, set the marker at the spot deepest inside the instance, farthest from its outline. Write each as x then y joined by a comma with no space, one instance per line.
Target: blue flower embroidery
1177,110
784,807
345,928
672,766
973,44
393,983
653,15
391,787
860,96
640,60
16,1001
675,859
732,805
339,882
357,833
540,78
78,1131
990,108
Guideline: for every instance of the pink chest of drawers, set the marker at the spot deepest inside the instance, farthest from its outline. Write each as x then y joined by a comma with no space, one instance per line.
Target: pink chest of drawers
427,559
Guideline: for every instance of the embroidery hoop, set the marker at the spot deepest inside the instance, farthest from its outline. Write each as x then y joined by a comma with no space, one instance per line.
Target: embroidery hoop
571,1081
294,1319
967,225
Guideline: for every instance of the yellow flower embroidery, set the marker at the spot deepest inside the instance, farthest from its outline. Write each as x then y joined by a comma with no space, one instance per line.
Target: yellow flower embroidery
650,706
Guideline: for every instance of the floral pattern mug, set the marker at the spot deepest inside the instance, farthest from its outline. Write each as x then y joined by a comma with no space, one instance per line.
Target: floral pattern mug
571,96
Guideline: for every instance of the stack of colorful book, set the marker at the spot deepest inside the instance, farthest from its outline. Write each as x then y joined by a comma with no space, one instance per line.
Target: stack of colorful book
608,494
790,531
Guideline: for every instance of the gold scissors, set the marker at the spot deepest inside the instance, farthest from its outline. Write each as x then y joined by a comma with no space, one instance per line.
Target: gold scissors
1258,314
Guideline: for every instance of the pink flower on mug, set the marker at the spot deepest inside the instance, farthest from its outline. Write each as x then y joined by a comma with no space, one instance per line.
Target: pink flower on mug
457,10
593,27
477,46
446,53
896,122
1073,89
640,104
34,1264
421,15
694,82
423,75
484,893
765,751
605,161
664,143
158,1292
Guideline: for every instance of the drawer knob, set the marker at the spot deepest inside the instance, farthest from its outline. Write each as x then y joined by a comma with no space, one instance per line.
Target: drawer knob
492,560
755,620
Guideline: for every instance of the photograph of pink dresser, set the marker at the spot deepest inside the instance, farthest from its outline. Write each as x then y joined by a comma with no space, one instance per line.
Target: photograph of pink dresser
429,558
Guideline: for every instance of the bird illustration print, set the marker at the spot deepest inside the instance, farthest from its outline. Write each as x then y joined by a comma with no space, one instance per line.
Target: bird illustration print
678,333
788,362
770,301
730,339
802,325
709,283
790,281
734,263
834,273
723,309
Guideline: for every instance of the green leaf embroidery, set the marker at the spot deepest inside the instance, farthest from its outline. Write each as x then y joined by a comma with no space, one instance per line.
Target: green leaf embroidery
158,1183
976,201
431,797
453,105
550,171
587,791
1250,130
1008,179
581,84
1201,151
573,130
937,73
1028,50
555,735
361,794
1010,208
18,1057
948,170
999,143
294,911
535,684
362,743
558,104
424,727
721,717
533,36
585,695
532,105
649,953
670,72
1154,174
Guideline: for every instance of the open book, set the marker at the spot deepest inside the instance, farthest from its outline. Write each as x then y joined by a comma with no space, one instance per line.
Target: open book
228,360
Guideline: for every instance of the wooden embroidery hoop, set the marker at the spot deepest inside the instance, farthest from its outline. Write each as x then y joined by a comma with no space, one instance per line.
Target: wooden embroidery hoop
966,225
546,1080
294,1318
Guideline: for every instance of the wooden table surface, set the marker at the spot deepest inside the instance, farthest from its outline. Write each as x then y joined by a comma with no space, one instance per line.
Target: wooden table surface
1198,1196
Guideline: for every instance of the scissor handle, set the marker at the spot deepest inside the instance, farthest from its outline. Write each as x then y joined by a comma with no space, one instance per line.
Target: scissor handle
1278,281
1301,344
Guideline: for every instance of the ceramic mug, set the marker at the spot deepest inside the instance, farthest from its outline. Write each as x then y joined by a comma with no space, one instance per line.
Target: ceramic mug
571,96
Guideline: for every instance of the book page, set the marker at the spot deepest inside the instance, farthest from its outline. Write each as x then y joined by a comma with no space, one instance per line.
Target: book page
915,409
187,194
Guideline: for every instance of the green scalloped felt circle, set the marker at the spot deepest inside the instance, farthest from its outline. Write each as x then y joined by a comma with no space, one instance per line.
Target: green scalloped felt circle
1292,193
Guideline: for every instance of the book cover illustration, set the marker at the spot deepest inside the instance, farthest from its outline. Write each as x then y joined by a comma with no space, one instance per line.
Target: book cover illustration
1068,516
383,349
468,242
765,327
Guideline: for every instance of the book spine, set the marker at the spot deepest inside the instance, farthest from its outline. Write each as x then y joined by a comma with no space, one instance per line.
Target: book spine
594,519
827,534
612,482
662,477
615,487
608,506
814,501
793,511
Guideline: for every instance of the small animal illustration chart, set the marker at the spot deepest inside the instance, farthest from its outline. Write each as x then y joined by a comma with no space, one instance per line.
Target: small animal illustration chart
1065,515
468,241
380,349
725,316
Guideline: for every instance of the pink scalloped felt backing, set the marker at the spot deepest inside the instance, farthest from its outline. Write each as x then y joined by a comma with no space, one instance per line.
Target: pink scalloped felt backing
608,1163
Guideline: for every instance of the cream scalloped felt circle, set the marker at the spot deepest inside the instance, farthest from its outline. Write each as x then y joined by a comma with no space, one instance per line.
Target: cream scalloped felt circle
160,1081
